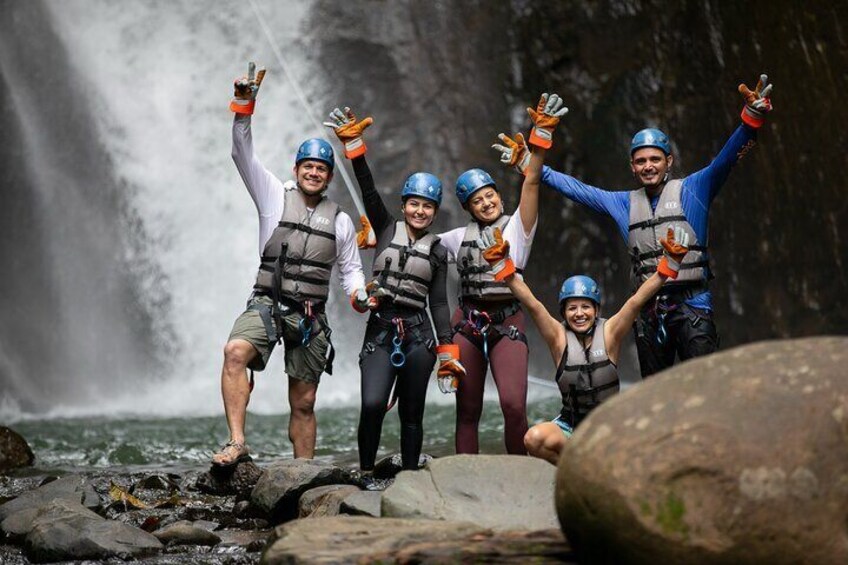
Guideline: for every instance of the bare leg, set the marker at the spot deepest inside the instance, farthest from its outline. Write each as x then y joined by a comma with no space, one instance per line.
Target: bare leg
235,388
302,424
545,441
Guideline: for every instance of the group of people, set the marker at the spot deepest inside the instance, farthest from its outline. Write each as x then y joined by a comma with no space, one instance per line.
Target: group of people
303,235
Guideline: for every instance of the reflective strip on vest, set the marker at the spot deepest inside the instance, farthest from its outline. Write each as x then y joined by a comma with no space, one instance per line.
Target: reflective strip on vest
475,274
646,227
586,377
409,274
310,237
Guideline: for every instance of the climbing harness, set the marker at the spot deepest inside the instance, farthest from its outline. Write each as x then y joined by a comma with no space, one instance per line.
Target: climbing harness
479,322
478,326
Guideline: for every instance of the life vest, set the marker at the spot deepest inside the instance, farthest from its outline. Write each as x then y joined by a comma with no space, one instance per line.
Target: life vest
309,240
586,376
646,227
403,268
475,274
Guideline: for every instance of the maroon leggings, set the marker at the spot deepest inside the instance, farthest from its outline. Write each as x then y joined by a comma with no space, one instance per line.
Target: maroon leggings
508,359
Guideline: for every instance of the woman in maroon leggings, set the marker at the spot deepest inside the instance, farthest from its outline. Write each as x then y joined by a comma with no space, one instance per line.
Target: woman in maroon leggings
489,323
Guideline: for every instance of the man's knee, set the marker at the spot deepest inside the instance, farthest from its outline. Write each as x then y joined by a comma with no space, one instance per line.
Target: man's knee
302,399
534,440
237,354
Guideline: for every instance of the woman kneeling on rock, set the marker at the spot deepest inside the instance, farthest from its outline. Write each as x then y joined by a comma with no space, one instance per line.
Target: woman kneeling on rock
585,347
410,272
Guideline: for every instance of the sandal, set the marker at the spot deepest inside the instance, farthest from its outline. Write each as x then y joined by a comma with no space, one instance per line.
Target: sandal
230,454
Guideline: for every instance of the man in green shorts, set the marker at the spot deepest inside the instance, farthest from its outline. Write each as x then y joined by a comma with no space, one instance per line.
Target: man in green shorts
302,235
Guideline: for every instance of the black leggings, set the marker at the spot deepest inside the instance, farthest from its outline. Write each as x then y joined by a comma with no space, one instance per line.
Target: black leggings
378,374
691,333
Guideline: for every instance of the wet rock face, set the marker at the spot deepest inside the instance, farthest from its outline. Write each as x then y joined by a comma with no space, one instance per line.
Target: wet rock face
238,479
444,78
14,450
739,457
498,492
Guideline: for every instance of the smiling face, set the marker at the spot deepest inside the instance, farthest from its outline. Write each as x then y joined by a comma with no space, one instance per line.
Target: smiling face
419,212
580,314
485,205
313,176
649,166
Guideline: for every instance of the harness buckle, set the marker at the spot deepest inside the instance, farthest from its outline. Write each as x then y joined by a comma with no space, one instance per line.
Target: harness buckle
512,332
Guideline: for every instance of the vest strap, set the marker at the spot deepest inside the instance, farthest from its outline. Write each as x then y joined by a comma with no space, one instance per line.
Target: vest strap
656,221
307,229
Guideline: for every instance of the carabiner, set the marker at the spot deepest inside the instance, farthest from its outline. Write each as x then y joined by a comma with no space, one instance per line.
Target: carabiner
305,326
397,357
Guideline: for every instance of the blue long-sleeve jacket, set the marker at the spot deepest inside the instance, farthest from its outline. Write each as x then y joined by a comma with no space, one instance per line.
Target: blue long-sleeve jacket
699,190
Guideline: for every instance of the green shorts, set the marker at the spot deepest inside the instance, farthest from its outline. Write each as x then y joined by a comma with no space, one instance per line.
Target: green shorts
305,363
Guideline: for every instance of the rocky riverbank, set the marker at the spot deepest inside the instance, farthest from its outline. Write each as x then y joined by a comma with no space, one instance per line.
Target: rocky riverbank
483,508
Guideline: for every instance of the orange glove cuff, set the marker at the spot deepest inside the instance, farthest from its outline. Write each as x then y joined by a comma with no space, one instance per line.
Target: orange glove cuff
544,140
666,271
242,106
354,148
751,119
449,348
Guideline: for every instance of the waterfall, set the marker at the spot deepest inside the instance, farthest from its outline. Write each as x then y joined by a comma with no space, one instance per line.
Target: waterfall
131,241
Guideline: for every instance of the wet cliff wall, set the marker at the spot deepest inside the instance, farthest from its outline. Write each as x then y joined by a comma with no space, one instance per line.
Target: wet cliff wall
442,79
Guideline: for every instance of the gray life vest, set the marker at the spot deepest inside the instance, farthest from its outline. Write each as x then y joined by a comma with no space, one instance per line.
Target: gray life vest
308,241
646,227
404,269
586,377
475,274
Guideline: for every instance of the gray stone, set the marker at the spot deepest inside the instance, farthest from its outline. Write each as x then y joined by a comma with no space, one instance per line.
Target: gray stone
323,501
502,492
281,484
73,488
362,503
238,479
352,539
738,457
14,450
389,467
186,533
66,531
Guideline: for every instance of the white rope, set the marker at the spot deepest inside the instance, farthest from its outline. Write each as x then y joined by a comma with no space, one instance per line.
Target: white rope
307,108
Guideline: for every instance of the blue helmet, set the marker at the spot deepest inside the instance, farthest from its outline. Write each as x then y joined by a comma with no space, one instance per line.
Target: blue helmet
579,286
650,137
423,185
316,149
470,182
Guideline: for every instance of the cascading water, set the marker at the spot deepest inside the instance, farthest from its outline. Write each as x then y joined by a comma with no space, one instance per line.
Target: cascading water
141,238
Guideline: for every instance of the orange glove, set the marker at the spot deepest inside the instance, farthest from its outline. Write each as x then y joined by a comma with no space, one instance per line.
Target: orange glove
514,153
450,369
757,102
496,252
349,131
362,300
675,247
545,119
246,89
365,238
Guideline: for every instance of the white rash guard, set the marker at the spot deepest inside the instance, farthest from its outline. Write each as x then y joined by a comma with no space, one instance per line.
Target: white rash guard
519,241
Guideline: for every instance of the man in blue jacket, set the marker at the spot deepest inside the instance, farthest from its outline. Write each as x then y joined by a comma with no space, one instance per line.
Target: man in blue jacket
680,321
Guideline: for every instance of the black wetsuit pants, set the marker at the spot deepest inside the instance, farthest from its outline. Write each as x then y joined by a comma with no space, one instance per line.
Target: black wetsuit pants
378,375
690,332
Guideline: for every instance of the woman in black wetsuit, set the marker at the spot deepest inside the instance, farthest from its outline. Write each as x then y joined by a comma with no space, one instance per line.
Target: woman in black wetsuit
410,271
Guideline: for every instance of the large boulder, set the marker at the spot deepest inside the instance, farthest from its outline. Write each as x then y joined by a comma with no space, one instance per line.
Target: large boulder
278,490
14,450
362,503
352,539
739,457
66,531
238,479
502,492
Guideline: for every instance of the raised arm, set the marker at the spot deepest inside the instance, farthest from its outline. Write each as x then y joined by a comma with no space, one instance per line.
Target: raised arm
675,247
349,131
496,252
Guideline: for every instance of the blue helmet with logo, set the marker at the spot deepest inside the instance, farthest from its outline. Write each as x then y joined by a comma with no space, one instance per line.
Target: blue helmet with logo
580,286
651,137
470,182
423,185
316,149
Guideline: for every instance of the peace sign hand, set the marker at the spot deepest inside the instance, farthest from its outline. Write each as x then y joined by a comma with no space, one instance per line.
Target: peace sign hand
245,90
